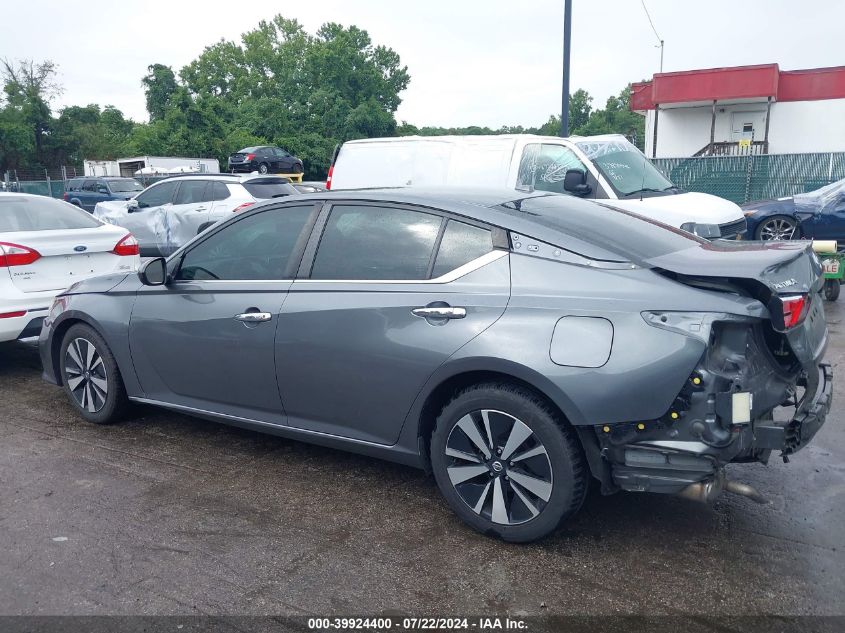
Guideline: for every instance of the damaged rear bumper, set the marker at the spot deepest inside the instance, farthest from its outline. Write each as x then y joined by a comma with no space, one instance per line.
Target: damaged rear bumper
790,437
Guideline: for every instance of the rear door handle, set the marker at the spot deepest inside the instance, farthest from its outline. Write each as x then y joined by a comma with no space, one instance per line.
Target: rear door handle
440,312
254,317
200,209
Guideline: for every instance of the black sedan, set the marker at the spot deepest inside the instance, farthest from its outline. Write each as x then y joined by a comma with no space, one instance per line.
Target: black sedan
819,214
265,159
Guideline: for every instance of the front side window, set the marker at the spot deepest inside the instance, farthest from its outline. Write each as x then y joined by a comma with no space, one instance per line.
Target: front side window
461,243
157,195
376,242
544,166
257,247
191,192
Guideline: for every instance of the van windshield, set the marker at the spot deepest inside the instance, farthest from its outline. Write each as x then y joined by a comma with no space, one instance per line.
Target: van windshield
626,168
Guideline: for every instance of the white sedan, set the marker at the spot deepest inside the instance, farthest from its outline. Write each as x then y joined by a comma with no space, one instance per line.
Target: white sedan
45,246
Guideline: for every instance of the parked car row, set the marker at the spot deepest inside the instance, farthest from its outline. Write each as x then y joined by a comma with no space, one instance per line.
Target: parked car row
169,213
517,344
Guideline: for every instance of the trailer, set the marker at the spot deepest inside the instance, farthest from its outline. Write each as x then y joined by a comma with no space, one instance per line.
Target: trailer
129,167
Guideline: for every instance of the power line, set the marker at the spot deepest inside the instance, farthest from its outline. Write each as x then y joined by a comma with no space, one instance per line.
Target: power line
656,34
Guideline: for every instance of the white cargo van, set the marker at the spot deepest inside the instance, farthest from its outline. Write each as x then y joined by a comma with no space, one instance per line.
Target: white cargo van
596,167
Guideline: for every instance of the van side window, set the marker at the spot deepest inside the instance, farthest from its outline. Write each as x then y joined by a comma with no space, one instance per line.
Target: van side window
544,166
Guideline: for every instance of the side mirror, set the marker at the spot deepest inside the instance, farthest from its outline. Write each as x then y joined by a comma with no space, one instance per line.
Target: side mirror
104,190
132,205
575,181
154,272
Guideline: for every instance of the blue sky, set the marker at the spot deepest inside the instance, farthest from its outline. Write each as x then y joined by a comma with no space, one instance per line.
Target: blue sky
487,62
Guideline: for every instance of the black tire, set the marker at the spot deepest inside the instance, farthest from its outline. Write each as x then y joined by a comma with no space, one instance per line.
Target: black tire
831,289
297,168
87,396
205,226
777,224
263,169
561,468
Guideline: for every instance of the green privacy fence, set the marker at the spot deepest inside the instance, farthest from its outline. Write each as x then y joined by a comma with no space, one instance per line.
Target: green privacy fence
755,177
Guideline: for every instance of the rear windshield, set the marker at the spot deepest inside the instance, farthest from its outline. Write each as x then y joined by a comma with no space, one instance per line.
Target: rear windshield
125,184
265,188
248,150
601,232
41,214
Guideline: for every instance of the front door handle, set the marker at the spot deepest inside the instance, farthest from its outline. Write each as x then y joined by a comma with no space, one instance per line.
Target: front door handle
440,312
254,317
200,209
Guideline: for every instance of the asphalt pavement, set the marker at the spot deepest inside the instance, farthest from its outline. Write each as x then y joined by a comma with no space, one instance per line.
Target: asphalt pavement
166,514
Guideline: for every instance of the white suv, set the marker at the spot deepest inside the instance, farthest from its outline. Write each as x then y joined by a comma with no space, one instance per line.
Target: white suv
169,213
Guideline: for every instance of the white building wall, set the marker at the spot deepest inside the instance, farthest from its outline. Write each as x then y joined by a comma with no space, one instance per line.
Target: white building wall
806,126
794,127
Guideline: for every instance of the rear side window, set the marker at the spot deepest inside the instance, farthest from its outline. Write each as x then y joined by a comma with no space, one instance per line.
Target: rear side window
263,189
42,214
376,242
89,185
258,247
219,191
74,185
461,244
191,192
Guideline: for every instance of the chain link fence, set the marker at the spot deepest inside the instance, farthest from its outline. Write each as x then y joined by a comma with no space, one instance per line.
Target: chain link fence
754,177
42,182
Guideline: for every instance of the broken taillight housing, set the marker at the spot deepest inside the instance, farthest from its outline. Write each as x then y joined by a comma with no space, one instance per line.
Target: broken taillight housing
794,309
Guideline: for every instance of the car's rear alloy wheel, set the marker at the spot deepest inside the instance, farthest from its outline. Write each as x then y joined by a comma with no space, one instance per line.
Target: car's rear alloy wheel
778,228
263,168
500,483
506,463
90,375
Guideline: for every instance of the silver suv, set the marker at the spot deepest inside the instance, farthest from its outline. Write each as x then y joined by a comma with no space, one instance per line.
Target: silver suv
169,213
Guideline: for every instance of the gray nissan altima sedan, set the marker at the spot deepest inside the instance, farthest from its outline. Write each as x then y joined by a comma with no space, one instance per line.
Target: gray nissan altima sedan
515,344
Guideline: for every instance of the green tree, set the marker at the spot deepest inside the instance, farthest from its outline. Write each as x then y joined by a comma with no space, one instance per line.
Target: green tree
29,88
159,85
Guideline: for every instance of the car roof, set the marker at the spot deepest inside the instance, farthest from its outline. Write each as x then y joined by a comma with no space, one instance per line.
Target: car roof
242,178
549,221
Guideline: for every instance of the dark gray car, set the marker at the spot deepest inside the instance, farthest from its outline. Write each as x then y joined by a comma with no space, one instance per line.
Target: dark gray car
515,344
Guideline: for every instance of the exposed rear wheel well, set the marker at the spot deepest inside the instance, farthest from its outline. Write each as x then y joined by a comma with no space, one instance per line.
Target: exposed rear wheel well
447,390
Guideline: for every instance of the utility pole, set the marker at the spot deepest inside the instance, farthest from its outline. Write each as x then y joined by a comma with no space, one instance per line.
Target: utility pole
567,45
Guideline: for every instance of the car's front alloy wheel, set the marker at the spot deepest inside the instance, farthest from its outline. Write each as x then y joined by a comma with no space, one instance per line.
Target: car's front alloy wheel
506,463
778,228
86,375
90,375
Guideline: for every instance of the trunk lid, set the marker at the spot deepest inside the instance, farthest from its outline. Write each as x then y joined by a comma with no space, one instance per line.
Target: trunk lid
783,268
771,272
66,256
